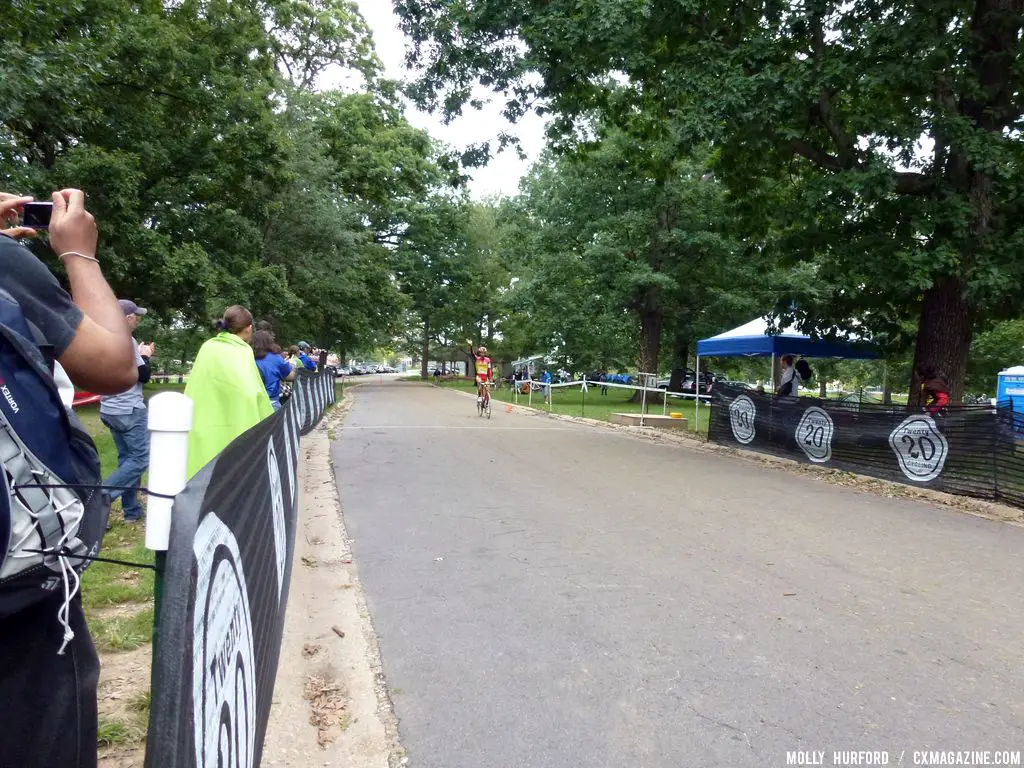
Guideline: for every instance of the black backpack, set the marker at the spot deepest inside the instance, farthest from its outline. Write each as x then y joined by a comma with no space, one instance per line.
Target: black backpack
804,369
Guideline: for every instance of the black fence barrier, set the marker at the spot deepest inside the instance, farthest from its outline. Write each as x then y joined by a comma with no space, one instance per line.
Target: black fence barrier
970,450
225,589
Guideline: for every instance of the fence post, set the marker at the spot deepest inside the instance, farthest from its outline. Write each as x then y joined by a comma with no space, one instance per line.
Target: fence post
583,408
995,454
643,400
170,421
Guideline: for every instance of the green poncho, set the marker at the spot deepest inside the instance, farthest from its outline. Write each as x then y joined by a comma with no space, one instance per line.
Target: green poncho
228,397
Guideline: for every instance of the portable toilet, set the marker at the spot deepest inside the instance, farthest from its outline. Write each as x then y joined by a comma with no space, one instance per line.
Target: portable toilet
1011,387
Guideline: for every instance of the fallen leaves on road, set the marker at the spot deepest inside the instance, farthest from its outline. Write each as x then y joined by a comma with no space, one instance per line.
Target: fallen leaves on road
309,650
327,708
338,631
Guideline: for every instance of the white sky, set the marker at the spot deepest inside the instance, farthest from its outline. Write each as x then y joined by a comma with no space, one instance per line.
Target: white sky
501,176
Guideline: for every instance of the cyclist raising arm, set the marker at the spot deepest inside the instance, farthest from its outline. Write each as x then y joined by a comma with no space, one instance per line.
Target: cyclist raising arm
484,370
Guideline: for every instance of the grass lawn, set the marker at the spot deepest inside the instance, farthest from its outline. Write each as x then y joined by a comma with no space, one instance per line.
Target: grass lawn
118,599
571,401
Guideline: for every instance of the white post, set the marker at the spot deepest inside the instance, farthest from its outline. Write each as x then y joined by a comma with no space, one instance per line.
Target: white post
696,391
643,398
170,421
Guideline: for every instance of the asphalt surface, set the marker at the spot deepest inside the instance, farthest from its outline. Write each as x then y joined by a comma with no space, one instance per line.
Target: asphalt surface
551,594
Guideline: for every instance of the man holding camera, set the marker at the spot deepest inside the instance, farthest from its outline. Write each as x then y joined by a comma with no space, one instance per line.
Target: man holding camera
49,698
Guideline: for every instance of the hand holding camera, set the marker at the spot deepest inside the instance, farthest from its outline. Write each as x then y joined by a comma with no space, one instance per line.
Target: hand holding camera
72,228
10,207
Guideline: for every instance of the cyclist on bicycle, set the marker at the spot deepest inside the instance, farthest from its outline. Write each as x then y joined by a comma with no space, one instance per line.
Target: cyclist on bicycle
484,372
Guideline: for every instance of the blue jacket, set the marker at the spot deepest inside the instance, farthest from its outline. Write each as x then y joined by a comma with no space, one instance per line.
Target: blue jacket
273,369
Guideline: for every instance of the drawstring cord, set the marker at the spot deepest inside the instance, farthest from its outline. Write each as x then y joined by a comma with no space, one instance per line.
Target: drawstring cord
69,576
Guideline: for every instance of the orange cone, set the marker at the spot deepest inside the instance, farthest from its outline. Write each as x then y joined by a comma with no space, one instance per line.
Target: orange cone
508,409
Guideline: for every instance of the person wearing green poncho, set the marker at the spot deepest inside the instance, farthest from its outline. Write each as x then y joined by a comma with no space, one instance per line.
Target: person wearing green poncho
227,392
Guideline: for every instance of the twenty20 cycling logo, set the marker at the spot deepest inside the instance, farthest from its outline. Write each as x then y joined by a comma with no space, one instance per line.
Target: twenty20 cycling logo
920,448
223,679
742,419
814,434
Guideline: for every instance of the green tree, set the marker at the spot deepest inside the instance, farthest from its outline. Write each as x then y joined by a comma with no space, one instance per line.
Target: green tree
629,248
993,351
897,124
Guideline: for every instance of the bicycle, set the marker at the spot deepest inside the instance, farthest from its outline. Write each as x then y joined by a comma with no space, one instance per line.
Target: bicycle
483,402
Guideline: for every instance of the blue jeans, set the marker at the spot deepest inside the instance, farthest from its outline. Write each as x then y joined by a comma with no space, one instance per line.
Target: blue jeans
131,436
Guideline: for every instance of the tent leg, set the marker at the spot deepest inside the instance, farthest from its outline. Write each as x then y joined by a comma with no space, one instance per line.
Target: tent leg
771,403
696,391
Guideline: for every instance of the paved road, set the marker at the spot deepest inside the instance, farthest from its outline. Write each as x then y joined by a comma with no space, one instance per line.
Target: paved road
548,594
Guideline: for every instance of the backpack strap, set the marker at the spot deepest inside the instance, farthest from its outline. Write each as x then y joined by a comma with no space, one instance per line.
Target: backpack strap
46,349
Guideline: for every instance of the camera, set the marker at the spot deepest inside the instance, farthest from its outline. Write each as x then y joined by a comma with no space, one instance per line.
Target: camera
36,215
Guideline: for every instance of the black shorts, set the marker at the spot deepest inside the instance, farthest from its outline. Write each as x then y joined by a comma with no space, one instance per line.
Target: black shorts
48,701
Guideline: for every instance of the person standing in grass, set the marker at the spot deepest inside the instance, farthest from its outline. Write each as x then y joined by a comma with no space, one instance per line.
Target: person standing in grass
125,416
227,392
49,698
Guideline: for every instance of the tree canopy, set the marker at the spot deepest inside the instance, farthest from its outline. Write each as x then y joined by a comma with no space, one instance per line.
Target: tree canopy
218,169
875,143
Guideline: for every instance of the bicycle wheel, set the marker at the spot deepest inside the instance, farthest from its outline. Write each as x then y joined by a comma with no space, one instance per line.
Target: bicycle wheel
479,406
487,405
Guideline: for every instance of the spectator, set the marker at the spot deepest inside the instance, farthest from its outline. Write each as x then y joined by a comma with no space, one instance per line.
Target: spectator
226,388
273,368
292,356
789,386
124,415
934,389
304,358
49,700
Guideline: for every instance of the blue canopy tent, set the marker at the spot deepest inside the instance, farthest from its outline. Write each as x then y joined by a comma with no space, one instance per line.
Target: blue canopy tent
753,340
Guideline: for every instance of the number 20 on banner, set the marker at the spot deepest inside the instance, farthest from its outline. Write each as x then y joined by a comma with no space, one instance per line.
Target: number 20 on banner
920,448
814,434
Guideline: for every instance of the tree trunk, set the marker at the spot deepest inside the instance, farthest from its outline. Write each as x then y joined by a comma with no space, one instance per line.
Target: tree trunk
680,357
943,337
650,347
650,340
425,349
886,385
822,388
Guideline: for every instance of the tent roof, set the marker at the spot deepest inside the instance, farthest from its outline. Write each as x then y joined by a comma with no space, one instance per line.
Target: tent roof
752,340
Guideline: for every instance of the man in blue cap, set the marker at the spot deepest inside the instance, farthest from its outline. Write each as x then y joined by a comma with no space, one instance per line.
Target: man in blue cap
125,417
304,358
